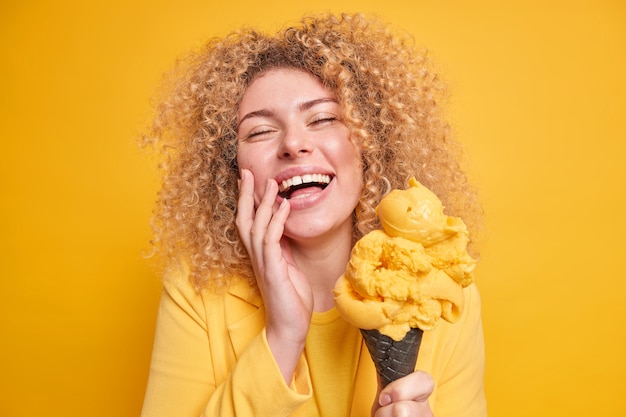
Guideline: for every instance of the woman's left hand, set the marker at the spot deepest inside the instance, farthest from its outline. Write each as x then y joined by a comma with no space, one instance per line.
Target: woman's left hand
405,397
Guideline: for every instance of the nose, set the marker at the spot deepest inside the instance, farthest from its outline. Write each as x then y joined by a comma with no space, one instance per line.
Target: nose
294,144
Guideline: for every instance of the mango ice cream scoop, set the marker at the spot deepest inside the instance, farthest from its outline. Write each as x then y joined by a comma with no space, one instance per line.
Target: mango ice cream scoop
401,280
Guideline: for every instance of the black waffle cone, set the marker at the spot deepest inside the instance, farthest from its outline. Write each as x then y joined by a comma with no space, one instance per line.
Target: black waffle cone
393,359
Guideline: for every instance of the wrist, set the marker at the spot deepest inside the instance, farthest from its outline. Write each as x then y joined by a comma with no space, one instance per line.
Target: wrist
286,352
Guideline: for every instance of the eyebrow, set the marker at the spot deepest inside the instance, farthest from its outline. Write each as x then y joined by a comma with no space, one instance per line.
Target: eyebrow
258,113
302,107
309,104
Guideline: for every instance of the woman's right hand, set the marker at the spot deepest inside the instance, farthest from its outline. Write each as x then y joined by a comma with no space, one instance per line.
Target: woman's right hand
285,289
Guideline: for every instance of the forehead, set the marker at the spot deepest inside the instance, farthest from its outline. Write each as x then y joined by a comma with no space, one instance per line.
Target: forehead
281,84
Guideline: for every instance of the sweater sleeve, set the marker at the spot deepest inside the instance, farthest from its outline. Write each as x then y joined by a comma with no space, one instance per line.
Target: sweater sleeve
182,380
460,385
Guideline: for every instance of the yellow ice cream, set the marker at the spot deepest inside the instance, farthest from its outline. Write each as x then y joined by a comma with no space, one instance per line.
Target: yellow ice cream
411,273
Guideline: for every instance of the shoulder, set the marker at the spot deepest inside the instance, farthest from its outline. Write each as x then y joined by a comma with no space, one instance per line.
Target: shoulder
450,342
469,323
204,305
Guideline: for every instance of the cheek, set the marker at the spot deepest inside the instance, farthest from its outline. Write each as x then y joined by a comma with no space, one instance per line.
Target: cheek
357,172
255,156
246,160
351,157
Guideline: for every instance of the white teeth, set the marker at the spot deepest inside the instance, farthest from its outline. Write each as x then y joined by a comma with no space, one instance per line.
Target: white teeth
304,179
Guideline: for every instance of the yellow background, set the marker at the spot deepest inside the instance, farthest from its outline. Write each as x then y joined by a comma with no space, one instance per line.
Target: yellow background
538,98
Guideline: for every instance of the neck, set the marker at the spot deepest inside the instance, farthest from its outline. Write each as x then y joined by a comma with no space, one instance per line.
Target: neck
323,263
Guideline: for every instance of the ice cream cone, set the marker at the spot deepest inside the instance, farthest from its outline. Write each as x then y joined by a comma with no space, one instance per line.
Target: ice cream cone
393,359
408,275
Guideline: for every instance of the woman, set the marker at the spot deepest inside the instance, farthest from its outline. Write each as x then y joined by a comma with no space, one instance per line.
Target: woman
277,149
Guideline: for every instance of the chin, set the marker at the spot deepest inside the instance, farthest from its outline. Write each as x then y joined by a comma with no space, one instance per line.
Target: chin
312,227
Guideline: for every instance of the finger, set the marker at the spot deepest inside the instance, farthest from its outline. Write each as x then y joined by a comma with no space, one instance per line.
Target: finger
286,248
276,226
263,214
247,215
416,386
245,207
272,245
263,247
405,408
271,225
245,202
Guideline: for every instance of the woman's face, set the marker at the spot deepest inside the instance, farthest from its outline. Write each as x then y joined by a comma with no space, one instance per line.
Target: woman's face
291,130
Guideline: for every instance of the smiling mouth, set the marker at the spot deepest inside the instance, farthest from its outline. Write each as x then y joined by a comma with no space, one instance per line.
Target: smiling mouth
298,182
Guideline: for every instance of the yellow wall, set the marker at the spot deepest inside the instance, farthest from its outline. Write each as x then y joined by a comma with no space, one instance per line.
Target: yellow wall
538,98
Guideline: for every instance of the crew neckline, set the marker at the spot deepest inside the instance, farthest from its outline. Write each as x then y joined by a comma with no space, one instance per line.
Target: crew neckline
325,317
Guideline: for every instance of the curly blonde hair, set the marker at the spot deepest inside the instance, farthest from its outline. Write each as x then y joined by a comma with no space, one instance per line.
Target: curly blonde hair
390,96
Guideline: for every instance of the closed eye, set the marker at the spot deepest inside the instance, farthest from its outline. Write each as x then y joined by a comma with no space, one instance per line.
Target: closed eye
258,134
323,120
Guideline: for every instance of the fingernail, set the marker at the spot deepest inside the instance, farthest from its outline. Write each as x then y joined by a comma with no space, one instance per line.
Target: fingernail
385,399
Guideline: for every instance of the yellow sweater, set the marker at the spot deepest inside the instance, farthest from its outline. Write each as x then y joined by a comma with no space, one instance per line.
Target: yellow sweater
211,358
